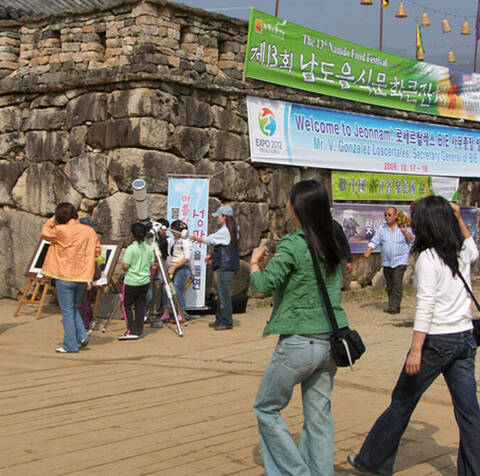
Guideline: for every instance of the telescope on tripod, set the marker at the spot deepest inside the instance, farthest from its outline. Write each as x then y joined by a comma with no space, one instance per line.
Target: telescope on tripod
139,187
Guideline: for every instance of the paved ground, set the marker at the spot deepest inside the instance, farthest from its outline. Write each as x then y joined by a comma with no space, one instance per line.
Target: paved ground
177,406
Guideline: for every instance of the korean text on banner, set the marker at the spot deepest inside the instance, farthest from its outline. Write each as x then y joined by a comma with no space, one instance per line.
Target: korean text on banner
384,187
294,134
188,201
284,53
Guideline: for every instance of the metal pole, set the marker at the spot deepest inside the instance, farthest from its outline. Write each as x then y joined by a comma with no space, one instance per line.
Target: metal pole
381,23
476,38
276,7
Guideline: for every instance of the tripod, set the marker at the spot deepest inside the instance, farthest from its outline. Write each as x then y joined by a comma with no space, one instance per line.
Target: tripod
168,285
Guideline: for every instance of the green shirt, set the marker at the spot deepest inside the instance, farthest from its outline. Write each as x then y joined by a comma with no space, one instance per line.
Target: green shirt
298,307
139,256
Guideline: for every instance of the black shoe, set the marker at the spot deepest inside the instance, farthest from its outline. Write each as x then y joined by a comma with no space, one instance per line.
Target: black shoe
352,459
213,324
83,343
394,311
222,327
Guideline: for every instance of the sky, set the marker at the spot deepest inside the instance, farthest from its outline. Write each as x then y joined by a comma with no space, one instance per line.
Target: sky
348,20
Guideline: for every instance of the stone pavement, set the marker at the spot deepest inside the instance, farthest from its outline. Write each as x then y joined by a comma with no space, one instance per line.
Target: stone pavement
176,406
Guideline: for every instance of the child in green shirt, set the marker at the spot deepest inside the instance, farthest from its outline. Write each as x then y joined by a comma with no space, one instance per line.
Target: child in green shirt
137,262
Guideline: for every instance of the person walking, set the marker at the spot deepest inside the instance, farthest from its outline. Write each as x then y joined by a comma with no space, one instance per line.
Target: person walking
442,341
395,242
138,260
225,262
70,260
302,354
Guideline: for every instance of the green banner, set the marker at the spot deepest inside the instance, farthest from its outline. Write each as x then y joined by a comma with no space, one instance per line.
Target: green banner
284,53
388,187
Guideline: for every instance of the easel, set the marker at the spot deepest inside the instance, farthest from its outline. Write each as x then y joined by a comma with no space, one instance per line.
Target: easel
98,295
25,299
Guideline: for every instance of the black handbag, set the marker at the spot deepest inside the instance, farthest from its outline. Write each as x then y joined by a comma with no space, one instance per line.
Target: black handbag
346,344
475,322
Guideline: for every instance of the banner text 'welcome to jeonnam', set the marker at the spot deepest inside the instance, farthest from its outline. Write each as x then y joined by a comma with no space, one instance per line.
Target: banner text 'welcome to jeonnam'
284,53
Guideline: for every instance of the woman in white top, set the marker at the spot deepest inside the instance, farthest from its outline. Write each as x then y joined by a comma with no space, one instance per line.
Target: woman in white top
442,341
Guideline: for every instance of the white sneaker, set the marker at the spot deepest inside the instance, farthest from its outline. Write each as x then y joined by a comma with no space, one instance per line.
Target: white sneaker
127,337
61,350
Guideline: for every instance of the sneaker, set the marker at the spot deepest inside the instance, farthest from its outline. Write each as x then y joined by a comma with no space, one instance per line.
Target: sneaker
213,324
352,459
165,318
127,336
222,327
180,319
61,350
83,343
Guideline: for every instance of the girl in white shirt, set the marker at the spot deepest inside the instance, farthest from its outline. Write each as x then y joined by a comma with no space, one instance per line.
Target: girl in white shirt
442,341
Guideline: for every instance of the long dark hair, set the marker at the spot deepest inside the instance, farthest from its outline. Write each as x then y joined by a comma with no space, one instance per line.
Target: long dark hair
233,229
436,226
310,202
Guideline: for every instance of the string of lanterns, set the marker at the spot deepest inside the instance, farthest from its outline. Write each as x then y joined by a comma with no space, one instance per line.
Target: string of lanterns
425,23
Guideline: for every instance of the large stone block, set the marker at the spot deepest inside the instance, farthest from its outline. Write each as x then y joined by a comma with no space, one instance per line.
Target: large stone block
88,174
47,145
241,182
42,187
192,143
252,218
11,144
126,165
130,132
215,170
47,119
280,183
195,113
9,173
364,270
228,146
228,120
132,103
10,119
25,230
88,107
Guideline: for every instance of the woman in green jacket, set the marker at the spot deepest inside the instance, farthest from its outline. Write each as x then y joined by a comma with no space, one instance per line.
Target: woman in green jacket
302,355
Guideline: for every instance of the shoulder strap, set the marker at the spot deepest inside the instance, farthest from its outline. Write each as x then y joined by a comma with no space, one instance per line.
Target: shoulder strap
322,287
467,287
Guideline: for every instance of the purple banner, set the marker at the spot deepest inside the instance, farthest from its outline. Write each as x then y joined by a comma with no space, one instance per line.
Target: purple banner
360,222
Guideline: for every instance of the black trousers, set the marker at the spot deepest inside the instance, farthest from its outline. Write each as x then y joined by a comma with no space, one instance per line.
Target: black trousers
394,279
134,295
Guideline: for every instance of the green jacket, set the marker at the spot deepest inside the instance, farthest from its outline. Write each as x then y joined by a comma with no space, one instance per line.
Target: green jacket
298,307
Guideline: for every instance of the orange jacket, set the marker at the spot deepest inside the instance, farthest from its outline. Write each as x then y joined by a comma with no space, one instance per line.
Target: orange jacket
72,252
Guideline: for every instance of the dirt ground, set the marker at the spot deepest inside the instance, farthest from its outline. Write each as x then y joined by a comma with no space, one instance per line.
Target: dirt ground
175,406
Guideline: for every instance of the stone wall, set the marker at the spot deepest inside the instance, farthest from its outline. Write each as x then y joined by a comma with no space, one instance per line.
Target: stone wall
93,100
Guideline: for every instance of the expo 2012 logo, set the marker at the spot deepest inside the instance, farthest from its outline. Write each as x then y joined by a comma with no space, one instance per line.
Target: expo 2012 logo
266,121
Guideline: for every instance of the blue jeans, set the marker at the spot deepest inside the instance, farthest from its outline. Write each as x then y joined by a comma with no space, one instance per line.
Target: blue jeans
306,360
70,296
224,309
452,355
180,278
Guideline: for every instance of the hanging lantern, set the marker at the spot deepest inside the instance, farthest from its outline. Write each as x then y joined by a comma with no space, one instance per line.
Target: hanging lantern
366,2
445,26
401,13
451,57
425,20
465,29
420,55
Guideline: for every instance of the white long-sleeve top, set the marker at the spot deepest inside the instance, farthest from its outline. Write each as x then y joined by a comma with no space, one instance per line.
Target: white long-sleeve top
443,303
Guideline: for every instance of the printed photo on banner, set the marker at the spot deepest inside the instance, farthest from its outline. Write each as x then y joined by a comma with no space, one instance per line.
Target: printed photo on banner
188,201
361,221
295,134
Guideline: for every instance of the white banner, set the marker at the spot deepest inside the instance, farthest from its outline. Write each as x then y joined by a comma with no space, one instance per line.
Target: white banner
188,201
294,134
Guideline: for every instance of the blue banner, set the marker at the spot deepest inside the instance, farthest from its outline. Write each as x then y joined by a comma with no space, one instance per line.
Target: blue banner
188,201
